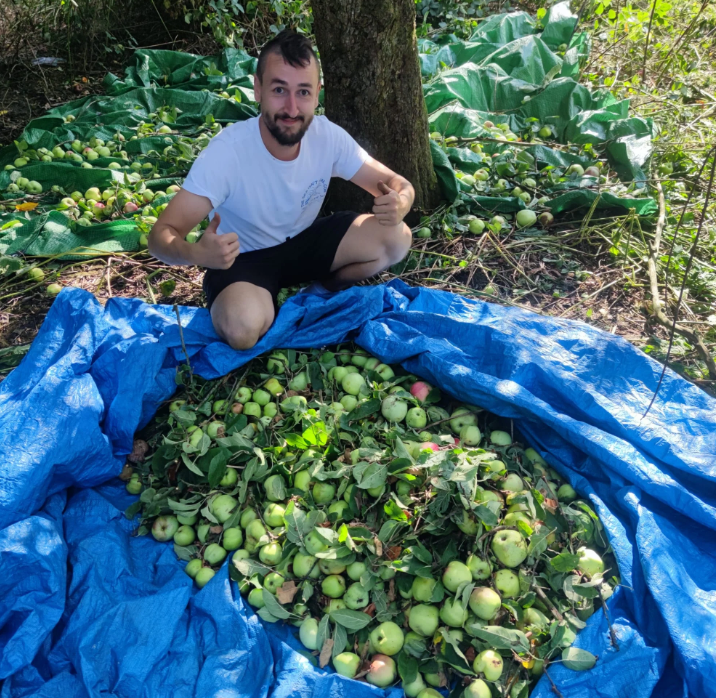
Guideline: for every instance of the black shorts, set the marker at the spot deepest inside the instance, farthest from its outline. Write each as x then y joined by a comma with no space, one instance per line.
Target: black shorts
307,256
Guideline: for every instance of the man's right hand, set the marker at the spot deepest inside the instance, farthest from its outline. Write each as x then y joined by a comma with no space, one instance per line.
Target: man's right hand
216,251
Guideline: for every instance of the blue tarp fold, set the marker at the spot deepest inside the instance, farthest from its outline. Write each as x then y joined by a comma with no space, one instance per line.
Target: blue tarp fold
86,609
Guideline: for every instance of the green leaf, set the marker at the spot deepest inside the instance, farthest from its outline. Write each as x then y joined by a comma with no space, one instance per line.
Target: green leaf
296,441
578,660
502,638
486,515
217,467
236,443
365,409
191,466
324,631
422,553
538,542
374,475
316,434
249,567
266,615
184,552
340,637
407,667
565,562
351,620
131,511
274,607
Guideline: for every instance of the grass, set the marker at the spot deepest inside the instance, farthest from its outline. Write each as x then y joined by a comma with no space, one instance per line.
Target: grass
658,55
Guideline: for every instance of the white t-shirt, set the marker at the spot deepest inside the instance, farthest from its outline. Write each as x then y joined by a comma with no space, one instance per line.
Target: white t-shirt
262,199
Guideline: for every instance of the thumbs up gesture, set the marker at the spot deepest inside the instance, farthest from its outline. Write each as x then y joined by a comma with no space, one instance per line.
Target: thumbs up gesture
217,251
389,208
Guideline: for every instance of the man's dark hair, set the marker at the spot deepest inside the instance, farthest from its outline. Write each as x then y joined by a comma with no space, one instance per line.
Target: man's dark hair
295,48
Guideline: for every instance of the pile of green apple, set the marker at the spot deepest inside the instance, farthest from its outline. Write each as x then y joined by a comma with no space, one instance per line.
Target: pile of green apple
402,533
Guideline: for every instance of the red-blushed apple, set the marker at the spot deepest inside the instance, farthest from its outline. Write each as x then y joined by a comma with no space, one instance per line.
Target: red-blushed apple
382,671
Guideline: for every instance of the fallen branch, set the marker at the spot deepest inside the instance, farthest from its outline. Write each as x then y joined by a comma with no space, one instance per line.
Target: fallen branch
657,309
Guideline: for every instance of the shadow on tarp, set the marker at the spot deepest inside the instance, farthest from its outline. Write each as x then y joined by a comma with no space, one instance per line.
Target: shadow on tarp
87,609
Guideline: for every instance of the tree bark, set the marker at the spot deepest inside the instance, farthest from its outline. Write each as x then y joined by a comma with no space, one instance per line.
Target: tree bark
373,89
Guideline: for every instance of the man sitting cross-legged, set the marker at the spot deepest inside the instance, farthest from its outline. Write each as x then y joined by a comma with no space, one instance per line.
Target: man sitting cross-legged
263,181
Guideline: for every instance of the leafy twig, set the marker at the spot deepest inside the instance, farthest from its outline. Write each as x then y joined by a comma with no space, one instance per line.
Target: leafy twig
183,346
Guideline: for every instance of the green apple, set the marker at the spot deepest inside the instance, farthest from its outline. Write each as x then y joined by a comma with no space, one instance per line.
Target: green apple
385,372
271,554
422,588
355,570
275,488
273,514
308,633
244,395
193,566
500,438
462,417
255,530
314,543
424,619
480,569
566,493
429,692
305,566
214,554
230,478
215,428
433,679
356,596
533,617
164,528
413,689
273,386
252,409
387,638
488,663
346,664
477,689
203,576
349,402
394,409
331,566
256,598
232,538
334,605
299,382
452,613
485,602
333,586
416,418
302,480
134,485
261,397
272,581
184,536
323,493
507,583
468,525
353,384
456,573
270,410
512,483
382,671
589,562
247,516
223,506
470,435
509,547
340,509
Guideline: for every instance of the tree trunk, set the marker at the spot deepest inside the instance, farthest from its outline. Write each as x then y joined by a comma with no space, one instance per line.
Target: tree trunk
373,89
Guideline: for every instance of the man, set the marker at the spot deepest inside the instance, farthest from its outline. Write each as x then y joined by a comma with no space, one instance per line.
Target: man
264,179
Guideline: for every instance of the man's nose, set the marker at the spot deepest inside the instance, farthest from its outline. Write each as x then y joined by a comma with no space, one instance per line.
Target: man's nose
292,107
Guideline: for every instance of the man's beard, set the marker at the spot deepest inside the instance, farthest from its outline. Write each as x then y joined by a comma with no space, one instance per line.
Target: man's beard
286,137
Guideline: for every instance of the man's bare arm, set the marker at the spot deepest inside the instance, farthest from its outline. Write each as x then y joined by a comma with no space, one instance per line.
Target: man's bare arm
167,239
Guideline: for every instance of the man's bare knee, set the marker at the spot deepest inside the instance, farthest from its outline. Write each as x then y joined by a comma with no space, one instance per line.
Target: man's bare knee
241,335
397,243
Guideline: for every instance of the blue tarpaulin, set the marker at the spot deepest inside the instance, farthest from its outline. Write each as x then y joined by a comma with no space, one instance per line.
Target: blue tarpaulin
87,609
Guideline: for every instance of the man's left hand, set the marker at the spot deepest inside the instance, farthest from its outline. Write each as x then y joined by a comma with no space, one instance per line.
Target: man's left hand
390,208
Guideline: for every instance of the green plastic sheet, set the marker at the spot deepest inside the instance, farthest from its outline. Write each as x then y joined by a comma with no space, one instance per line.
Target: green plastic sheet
509,71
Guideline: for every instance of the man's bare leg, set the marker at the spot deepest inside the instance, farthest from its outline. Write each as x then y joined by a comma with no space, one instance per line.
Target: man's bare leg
242,313
367,249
